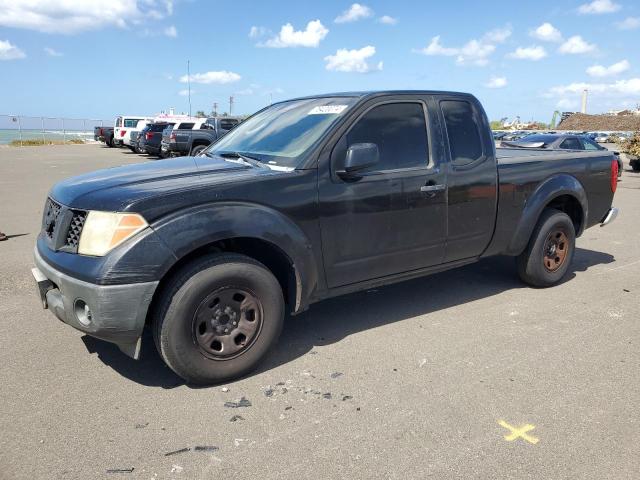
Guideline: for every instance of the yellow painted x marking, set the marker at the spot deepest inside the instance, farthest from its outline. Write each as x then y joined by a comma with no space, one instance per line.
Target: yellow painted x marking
519,432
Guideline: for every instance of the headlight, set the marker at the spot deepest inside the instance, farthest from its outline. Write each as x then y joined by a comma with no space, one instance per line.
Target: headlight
103,231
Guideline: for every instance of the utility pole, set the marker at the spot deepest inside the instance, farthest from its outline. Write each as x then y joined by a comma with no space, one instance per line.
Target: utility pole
585,93
189,83
215,109
231,105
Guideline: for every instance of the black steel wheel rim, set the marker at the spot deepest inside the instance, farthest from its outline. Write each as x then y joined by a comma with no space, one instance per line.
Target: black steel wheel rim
227,322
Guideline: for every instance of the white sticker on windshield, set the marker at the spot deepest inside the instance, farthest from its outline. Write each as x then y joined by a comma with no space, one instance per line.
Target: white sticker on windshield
327,110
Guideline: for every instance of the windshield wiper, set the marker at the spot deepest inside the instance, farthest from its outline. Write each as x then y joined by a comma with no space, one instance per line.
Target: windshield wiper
242,156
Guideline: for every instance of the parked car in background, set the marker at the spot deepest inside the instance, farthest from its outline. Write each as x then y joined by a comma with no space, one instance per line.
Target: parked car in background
150,138
602,138
561,142
104,134
191,141
349,192
123,127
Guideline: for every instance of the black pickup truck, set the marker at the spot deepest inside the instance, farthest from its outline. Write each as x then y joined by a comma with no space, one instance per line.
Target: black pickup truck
191,141
307,199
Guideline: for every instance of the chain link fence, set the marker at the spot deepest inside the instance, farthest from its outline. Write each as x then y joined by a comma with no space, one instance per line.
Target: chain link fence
22,130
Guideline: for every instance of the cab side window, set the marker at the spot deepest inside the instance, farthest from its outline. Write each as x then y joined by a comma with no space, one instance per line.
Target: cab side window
571,144
400,132
465,143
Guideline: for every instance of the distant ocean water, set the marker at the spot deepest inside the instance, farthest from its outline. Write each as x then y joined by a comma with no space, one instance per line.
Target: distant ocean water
8,135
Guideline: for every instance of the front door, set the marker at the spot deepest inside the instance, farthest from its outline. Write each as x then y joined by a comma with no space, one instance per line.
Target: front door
392,219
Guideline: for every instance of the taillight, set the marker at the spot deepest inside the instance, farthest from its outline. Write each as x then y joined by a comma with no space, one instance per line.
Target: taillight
172,137
122,132
149,135
614,175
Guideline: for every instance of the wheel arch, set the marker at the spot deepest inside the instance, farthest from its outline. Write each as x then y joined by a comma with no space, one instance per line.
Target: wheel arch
252,230
562,192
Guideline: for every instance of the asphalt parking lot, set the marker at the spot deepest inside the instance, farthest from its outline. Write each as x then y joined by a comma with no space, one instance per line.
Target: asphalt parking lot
464,374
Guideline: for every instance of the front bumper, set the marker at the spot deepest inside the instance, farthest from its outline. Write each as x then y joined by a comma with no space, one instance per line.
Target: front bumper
115,313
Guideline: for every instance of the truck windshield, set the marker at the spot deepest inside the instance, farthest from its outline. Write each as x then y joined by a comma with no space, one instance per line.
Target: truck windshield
282,133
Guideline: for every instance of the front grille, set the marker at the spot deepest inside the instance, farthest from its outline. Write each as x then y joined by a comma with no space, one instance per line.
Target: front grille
75,229
50,218
62,226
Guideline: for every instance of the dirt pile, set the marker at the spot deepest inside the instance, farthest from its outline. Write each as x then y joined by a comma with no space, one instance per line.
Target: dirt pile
596,123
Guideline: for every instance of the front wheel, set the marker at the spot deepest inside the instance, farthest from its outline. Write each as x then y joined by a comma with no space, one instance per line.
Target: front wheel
550,251
218,317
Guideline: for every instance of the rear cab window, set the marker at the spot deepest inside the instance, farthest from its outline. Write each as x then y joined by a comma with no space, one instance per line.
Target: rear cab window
131,122
228,123
185,126
463,133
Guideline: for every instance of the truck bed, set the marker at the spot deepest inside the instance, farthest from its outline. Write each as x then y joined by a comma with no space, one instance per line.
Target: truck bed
521,171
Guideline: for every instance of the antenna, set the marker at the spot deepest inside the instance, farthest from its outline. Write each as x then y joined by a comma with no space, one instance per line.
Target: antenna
189,83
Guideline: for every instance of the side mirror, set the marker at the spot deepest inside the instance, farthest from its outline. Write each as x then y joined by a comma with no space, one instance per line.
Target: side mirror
360,156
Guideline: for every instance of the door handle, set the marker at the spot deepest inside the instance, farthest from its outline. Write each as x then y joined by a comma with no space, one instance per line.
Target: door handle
432,188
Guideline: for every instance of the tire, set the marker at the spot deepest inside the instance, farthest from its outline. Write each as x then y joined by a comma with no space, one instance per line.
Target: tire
197,149
635,165
109,142
553,238
200,303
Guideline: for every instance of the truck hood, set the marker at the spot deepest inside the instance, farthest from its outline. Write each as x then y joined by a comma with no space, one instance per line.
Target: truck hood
113,189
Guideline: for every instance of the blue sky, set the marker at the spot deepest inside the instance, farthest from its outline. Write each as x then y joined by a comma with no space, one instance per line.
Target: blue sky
100,58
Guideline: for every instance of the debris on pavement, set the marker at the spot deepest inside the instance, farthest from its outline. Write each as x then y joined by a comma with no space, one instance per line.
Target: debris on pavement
120,470
142,425
423,362
235,418
243,402
176,469
225,389
346,397
336,374
327,396
205,448
268,392
176,452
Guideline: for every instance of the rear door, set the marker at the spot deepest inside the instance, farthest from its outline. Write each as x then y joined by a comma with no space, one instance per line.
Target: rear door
471,178
384,222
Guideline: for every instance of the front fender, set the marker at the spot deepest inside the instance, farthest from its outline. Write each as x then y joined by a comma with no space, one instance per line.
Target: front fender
188,230
551,188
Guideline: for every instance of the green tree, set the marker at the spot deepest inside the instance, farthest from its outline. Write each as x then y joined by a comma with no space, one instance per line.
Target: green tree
496,124
200,113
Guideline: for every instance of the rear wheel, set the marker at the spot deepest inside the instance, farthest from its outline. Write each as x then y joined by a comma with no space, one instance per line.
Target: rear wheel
197,149
550,251
218,317
635,165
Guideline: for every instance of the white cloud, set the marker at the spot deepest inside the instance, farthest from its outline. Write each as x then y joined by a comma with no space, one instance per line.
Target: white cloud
72,16
10,52
257,32
547,33
614,69
567,104
185,92
496,82
618,88
288,37
475,52
356,12
576,45
387,20
52,53
598,6
353,60
170,31
220,77
535,53
629,23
